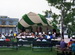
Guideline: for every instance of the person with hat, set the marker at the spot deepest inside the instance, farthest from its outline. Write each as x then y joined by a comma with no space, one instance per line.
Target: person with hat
70,43
69,47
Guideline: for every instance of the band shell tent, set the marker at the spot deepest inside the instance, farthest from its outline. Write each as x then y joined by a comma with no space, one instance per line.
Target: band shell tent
32,19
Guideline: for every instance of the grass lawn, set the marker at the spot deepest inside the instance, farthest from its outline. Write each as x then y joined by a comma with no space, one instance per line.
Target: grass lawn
25,51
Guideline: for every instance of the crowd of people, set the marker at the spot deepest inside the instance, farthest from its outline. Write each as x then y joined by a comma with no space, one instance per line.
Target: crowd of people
4,36
67,48
39,36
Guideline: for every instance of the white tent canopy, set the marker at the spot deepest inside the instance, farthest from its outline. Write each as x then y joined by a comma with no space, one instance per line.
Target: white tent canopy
32,19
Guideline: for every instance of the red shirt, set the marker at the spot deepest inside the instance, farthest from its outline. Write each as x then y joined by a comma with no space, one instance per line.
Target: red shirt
69,44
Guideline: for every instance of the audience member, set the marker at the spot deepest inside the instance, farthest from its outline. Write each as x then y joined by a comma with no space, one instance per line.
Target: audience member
2,37
73,47
54,35
63,46
70,43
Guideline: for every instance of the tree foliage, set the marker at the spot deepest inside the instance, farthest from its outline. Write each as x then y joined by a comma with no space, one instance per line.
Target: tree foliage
67,12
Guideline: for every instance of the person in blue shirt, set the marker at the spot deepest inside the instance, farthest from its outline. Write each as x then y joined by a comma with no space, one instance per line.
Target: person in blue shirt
63,46
51,37
73,47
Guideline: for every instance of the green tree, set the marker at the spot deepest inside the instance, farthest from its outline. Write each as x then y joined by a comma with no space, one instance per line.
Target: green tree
67,12
54,21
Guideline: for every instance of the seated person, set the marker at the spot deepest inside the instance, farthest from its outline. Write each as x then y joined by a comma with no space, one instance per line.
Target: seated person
69,47
46,36
73,47
38,40
2,37
44,40
54,35
19,36
40,37
51,37
63,46
70,43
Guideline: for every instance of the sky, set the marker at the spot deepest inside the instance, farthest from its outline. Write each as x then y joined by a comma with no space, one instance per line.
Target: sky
17,8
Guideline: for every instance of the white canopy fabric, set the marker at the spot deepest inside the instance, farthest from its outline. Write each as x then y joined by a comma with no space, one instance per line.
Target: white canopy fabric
32,19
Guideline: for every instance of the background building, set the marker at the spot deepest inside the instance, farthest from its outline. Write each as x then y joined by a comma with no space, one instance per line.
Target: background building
8,24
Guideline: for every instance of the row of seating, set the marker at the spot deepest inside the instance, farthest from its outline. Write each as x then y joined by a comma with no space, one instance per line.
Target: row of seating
29,41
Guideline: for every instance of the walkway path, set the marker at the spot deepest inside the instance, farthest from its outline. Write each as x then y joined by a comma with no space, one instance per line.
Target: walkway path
65,39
